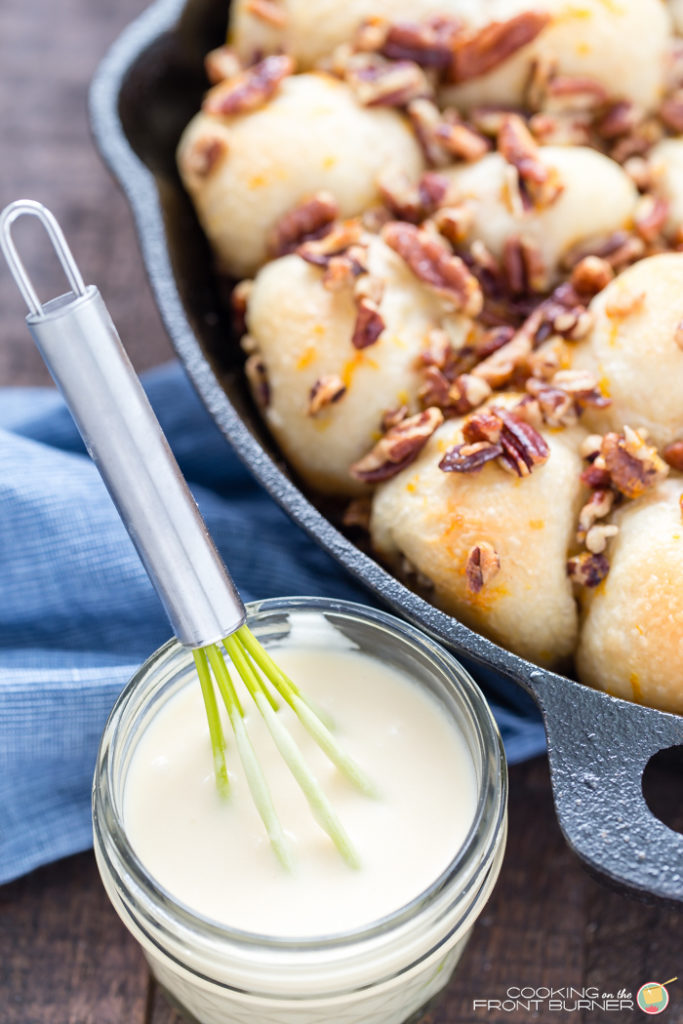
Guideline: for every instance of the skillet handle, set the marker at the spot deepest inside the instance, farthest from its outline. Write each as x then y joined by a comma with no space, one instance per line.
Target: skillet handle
598,747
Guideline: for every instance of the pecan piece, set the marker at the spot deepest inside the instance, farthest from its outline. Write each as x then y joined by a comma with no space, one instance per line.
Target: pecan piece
250,89
623,303
523,266
377,82
221,63
523,447
650,216
325,391
597,507
479,51
469,458
673,455
413,202
239,300
341,238
539,184
590,275
597,537
483,563
671,111
429,44
369,323
255,370
204,156
587,570
309,219
634,467
357,513
433,263
398,448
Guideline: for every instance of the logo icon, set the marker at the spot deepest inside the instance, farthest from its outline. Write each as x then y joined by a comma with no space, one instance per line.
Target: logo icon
653,996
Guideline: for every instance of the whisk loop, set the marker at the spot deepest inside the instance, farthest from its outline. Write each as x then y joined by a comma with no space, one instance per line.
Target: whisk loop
83,352
256,668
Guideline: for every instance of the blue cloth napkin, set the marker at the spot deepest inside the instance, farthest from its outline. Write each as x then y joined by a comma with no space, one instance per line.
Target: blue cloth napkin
78,614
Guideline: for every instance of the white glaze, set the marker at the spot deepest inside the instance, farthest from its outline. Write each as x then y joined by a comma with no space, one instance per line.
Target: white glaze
213,855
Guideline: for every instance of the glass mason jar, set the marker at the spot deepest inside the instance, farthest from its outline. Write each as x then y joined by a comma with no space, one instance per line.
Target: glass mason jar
388,972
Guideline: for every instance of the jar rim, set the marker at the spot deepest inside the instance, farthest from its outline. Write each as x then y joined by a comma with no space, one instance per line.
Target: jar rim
477,848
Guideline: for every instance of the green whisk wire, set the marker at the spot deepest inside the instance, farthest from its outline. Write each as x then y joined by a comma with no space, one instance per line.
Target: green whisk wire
256,669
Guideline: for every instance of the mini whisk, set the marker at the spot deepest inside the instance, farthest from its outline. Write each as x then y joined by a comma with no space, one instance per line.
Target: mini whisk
82,350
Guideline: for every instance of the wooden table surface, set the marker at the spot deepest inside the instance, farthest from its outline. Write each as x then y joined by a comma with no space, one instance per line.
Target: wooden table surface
64,956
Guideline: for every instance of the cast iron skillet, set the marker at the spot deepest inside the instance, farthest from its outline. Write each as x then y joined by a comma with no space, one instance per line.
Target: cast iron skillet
145,91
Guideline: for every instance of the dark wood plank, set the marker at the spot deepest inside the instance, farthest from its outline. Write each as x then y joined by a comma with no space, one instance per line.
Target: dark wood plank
65,958
49,53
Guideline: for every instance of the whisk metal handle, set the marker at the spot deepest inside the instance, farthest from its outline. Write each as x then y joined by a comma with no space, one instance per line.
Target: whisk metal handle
81,347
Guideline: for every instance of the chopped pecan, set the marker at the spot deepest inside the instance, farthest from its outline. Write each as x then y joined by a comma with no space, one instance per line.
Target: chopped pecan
597,537
454,398
619,249
459,139
596,475
499,368
587,570
377,82
398,448
597,507
434,264
392,417
485,425
325,391
268,11
590,275
619,119
221,63
239,300
309,219
497,434
204,156
539,184
357,513
469,458
650,217
673,455
250,89
425,118
523,266
480,50
343,269
454,222
671,111
589,448
574,92
523,447
413,202
568,129
582,387
369,323
633,466
429,44
483,563
555,407
343,237
255,370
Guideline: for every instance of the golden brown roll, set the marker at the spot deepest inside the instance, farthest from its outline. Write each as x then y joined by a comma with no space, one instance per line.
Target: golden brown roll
436,520
635,349
312,136
311,29
598,197
631,641
621,45
302,333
